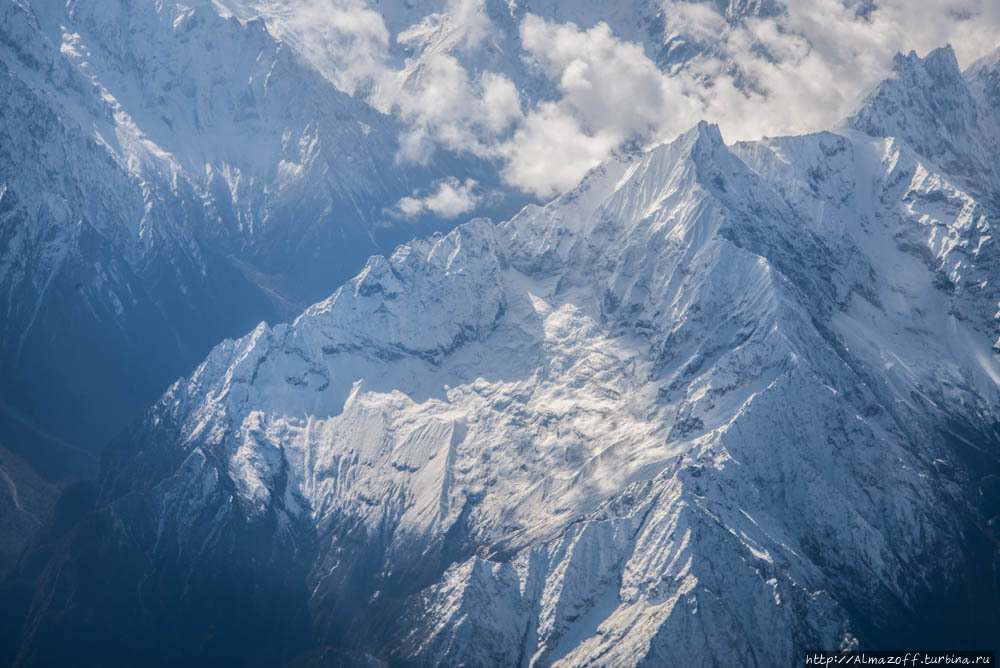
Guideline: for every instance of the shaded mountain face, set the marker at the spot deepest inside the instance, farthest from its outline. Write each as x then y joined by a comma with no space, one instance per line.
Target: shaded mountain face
715,405
170,176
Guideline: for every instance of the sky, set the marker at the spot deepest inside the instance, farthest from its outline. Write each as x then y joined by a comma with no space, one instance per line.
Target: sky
807,67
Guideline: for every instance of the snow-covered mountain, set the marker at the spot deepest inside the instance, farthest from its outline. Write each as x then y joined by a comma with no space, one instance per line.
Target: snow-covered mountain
174,172
170,175
948,119
715,405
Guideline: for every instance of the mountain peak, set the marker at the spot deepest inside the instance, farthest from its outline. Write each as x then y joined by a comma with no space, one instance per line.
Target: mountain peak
919,92
707,138
939,63
709,132
928,104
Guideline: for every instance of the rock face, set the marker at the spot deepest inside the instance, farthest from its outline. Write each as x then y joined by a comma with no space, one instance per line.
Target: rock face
714,406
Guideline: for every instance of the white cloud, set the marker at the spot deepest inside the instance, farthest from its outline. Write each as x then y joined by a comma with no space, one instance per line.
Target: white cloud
807,68
470,20
549,152
451,199
607,85
443,106
611,94
346,40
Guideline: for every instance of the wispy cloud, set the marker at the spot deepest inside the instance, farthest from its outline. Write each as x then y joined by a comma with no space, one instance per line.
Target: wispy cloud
346,40
445,106
450,198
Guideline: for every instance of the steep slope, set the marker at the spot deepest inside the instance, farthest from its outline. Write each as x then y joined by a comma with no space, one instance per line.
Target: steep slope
946,117
170,177
101,279
715,405
983,79
294,172
288,170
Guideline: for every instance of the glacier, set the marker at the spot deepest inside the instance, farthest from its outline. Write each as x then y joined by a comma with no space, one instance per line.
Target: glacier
717,404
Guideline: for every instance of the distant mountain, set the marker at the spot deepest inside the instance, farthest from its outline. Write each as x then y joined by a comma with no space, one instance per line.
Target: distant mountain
948,118
170,176
713,406
420,29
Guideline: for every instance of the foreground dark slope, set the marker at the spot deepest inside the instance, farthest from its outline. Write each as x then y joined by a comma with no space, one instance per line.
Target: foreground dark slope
714,406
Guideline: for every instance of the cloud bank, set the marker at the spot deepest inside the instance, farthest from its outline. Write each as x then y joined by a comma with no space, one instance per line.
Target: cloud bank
800,70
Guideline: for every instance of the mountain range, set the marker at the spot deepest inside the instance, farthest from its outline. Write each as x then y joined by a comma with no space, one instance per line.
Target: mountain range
275,389
174,173
717,404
